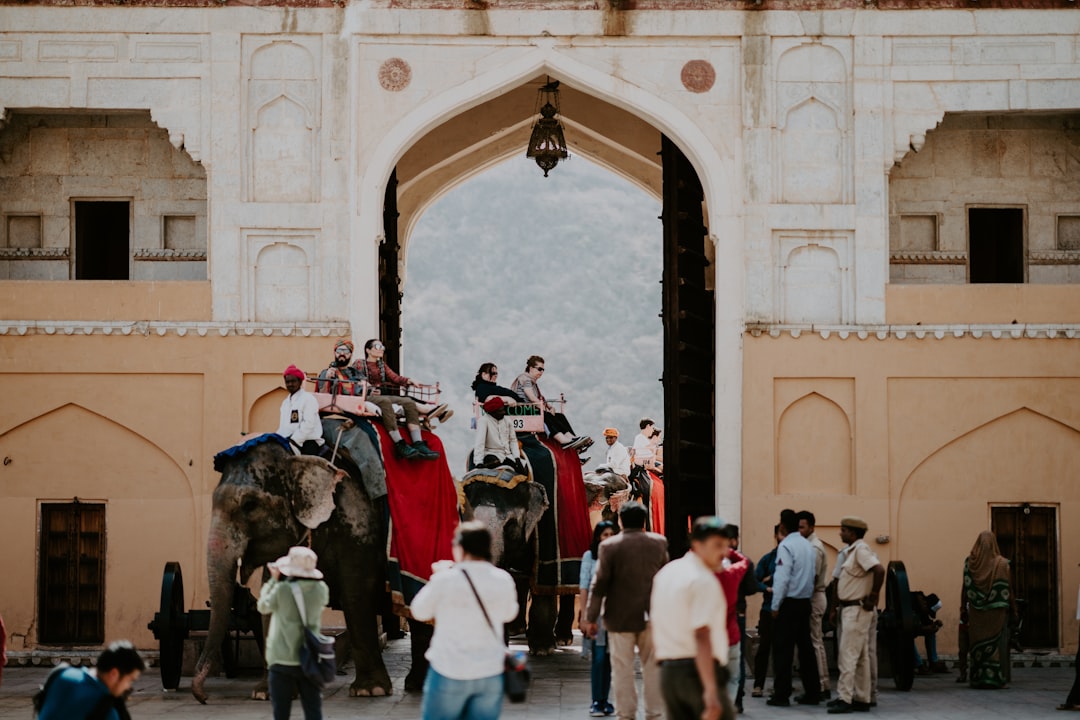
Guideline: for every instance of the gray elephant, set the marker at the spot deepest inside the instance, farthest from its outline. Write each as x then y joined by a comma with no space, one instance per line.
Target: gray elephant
268,500
605,488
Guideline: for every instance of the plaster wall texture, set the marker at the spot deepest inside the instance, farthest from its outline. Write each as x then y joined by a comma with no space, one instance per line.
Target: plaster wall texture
298,116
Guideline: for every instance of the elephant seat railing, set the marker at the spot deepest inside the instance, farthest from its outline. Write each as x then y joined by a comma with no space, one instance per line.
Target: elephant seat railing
352,397
526,417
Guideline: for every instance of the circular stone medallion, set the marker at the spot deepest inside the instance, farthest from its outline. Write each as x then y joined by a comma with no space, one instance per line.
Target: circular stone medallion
698,76
395,74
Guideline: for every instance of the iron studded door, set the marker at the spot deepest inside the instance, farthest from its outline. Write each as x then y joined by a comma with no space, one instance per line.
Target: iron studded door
71,577
689,350
1027,536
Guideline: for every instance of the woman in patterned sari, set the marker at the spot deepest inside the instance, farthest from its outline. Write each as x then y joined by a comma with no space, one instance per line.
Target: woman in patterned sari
986,606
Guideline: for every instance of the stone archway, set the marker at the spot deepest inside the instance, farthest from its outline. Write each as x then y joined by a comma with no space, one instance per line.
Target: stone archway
714,166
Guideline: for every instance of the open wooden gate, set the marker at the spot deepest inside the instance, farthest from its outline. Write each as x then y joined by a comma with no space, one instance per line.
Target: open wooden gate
689,351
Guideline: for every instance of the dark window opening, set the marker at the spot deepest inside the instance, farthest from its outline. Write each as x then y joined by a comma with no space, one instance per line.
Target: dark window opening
102,240
71,580
996,245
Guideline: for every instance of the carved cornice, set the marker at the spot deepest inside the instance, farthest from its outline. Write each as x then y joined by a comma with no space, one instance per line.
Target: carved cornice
1012,331
192,328
1054,257
160,254
49,253
927,258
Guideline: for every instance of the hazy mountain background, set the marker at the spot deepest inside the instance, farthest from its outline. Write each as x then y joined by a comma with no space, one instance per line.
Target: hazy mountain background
511,264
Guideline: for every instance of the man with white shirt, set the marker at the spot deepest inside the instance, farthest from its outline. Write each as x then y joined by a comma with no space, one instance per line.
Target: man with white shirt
793,587
689,619
300,421
644,451
618,457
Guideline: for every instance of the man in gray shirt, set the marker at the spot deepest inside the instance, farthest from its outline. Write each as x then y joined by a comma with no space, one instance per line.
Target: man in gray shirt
793,587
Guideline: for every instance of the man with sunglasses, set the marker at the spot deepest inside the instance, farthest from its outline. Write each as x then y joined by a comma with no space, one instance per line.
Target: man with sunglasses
527,388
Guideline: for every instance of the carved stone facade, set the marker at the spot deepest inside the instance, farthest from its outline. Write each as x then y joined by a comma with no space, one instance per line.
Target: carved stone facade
836,146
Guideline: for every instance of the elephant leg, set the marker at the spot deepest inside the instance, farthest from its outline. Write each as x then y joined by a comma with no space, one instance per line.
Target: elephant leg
518,626
420,637
541,631
564,625
360,601
261,691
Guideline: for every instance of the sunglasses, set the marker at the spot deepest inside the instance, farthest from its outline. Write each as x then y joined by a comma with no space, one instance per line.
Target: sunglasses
378,346
538,369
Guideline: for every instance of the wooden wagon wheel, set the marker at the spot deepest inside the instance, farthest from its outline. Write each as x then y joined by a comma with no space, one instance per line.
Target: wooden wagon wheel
170,625
898,626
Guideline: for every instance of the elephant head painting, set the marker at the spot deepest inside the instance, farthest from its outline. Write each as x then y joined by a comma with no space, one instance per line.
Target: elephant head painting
268,500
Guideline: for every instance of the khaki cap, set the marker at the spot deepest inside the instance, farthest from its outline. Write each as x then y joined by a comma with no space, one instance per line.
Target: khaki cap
854,522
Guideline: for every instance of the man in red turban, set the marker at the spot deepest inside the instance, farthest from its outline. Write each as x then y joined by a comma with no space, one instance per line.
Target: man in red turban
300,421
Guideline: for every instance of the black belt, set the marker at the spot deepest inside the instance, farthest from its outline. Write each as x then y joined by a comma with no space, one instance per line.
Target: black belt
684,662
848,603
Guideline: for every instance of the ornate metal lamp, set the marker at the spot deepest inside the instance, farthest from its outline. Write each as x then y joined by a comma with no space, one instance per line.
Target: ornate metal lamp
547,145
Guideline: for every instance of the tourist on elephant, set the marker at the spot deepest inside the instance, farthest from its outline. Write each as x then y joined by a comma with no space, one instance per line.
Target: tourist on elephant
644,450
527,387
340,378
382,382
470,600
601,661
496,443
292,575
484,385
618,457
299,421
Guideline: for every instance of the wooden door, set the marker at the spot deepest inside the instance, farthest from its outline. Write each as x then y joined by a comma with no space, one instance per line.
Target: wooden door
390,292
71,589
1027,536
689,350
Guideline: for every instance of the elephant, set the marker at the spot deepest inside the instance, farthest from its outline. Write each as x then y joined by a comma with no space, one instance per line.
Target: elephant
606,489
269,500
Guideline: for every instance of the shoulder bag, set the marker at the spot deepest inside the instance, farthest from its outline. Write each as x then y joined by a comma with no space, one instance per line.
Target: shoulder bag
516,670
317,653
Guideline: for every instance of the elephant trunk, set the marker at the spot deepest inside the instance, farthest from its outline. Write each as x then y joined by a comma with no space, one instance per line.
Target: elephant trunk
223,550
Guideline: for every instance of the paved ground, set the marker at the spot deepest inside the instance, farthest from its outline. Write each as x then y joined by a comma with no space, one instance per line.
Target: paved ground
561,692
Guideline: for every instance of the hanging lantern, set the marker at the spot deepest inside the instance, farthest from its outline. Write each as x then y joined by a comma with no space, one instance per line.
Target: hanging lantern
547,145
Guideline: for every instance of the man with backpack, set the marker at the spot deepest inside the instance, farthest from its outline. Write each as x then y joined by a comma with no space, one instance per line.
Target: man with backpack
72,693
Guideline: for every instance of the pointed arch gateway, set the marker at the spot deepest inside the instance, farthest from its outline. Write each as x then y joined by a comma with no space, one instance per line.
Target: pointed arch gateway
643,139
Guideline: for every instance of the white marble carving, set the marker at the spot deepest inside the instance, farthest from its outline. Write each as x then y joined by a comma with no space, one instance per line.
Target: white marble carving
282,278
814,277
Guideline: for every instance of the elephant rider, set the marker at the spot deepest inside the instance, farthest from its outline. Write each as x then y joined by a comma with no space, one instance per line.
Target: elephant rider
527,387
618,457
496,442
300,421
644,453
484,385
381,377
341,378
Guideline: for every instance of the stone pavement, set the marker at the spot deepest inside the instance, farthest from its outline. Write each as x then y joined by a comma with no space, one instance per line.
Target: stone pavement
561,692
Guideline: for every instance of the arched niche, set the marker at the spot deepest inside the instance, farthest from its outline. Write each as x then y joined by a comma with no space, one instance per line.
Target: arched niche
282,150
814,448
813,285
282,283
264,414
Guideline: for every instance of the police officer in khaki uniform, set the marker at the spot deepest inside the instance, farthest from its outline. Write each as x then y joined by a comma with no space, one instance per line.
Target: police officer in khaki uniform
860,582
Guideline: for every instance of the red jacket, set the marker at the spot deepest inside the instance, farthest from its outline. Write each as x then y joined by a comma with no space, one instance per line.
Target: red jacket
379,374
730,577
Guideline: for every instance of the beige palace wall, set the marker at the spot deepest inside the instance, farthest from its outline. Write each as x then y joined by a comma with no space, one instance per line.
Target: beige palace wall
132,421
921,436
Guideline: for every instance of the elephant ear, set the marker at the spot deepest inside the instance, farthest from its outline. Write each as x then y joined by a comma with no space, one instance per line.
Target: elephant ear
538,505
312,482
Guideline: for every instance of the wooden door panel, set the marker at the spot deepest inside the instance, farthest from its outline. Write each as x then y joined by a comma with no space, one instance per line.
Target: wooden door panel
1027,536
72,575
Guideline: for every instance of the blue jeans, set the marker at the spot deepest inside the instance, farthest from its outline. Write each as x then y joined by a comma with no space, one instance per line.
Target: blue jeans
601,673
283,681
449,699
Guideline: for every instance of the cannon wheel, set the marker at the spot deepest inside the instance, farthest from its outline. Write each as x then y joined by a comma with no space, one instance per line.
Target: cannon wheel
902,626
173,625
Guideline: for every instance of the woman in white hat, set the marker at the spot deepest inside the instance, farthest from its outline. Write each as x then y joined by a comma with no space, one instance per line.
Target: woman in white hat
286,634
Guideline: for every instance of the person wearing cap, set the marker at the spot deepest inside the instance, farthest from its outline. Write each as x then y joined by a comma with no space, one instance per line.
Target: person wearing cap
690,627
857,592
496,442
285,636
341,378
819,602
299,421
618,457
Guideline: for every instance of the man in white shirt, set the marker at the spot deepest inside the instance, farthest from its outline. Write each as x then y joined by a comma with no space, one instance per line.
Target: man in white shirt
644,451
496,442
300,421
689,623
818,602
618,457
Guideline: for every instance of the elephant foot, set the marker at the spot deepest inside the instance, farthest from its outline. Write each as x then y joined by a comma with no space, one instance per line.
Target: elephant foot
516,629
260,694
542,652
414,682
358,689
564,641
